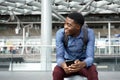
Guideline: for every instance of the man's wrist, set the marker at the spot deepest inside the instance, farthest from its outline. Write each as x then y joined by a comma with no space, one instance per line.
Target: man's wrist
63,65
83,63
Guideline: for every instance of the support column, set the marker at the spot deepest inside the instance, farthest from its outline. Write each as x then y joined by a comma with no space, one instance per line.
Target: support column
23,42
109,37
46,35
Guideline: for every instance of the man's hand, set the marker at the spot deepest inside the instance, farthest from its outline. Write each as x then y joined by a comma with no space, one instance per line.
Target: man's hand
73,67
77,66
66,68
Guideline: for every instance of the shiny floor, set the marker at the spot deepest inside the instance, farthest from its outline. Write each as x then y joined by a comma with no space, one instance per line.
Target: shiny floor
34,75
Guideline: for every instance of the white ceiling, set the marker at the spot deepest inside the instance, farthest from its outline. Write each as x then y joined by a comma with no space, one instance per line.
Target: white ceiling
60,6
33,6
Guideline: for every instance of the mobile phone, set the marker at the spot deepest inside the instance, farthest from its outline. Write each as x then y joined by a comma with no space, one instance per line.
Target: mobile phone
69,62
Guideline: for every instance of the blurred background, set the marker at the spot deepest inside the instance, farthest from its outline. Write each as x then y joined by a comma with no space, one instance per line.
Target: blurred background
28,28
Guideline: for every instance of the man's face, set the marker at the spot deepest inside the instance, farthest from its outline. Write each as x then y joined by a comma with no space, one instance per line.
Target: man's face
71,28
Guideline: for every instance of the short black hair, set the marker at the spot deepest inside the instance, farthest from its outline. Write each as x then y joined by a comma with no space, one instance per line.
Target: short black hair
77,17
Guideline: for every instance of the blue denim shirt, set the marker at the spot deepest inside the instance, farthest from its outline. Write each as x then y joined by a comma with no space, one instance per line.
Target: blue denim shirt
74,47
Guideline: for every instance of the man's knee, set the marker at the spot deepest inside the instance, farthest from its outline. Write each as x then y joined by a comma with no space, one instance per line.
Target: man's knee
58,71
93,68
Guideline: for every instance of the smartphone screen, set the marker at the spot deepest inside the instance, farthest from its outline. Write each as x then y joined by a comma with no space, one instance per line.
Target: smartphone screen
69,62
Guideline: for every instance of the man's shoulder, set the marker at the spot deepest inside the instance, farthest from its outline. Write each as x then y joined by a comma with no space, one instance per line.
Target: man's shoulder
61,30
91,33
87,30
90,30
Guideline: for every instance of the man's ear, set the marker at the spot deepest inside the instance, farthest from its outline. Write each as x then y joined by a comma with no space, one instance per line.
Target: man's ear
78,26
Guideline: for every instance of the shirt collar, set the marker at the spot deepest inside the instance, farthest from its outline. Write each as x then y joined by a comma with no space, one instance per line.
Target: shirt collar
80,34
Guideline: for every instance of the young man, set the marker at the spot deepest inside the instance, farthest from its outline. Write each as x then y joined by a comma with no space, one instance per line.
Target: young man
82,60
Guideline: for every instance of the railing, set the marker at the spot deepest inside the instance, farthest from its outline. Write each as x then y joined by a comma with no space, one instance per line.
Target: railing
104,50
35,49
15,60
